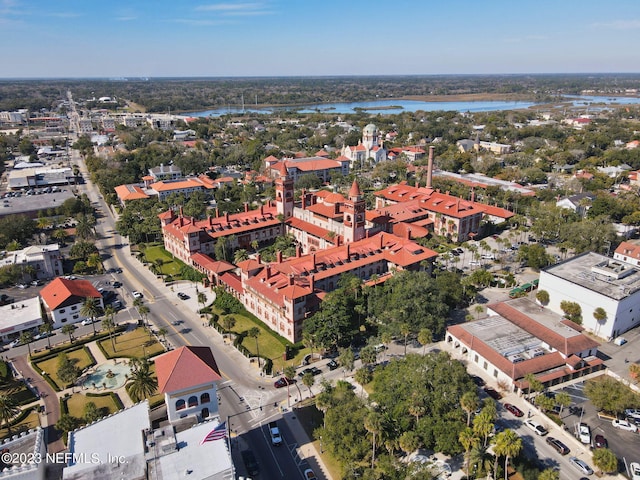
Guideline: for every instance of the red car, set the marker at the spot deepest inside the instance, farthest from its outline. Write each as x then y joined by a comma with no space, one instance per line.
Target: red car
283,382
514,410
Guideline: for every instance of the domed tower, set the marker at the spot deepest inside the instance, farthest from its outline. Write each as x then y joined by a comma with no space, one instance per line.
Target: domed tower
370,136
353,216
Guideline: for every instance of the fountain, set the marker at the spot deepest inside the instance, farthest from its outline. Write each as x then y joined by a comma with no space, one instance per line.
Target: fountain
109,376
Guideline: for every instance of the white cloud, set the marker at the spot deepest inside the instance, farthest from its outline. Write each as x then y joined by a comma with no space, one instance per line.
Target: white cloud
619,25
235,9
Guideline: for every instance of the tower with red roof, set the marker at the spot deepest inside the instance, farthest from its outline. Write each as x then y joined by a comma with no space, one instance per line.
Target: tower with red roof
284,192
354,215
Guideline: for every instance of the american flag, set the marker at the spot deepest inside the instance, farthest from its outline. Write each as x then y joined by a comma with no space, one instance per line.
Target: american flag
217,433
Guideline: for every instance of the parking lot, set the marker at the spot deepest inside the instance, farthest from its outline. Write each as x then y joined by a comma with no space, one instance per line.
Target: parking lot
626,445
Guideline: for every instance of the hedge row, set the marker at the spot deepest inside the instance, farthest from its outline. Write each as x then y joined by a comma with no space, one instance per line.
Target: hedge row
114,396
78,343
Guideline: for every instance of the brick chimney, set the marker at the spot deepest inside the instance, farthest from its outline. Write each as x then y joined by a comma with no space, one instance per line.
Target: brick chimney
430,166
268,272
217,212
298,251
290,279
262,210
226,217
348,250
312,283
246,207
279,256
408,233
258,259
313,258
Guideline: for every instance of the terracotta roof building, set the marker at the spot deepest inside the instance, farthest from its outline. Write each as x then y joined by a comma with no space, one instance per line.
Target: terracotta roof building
519,338
62,300
187,376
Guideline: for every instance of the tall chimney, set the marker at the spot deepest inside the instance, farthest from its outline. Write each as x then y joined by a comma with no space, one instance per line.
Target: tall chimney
408,234
217,212
258,259
262,210
246,207
313,258
226,217
312,283
279,256
348,250
268,271
430,166
298,251
473,195
290,279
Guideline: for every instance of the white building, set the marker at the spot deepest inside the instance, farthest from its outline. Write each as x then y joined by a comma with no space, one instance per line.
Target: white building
187,376
595,281
63,299
628,252
19,317
370,147
45,259
111,448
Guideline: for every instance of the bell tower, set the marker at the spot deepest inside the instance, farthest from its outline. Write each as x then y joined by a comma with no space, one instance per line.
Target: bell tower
353,218
284,193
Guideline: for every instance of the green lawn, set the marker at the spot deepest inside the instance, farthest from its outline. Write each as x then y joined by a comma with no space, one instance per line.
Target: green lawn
170,265
77,401
132,344
31,421
51,366
270,346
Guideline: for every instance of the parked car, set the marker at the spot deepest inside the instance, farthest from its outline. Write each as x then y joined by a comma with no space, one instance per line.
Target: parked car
624,425
136,294
250,462
492,393
283,382
536,427
634,469
117,284
600,442
560,447
312,370
42,335
89,321
584,434
581,465
332,365
309,475
15,343
183,296
514,410
478,380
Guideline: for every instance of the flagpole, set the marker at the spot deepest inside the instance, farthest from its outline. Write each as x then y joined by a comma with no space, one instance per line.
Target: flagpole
228,434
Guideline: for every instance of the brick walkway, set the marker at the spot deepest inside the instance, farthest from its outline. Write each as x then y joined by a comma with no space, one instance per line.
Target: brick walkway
49,399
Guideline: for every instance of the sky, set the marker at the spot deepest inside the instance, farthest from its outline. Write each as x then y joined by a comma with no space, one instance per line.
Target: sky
204,38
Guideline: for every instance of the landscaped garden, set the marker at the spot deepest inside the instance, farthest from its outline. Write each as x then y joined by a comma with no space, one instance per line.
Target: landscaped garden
165,263
105,404
27,420
134,344
81,358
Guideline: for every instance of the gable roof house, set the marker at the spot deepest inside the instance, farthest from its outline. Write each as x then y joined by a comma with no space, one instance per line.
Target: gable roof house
62,300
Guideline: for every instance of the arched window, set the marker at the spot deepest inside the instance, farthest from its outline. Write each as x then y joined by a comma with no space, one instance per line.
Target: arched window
193,401
205,398
180,404
205,412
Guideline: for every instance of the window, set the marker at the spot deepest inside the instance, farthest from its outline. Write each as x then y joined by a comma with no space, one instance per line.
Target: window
485,365
476,359
495,373
193,401
205,398
75,307
180,404
75,317
62,311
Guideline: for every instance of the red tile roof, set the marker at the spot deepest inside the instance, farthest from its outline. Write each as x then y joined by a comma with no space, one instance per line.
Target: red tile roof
211,265
628,249
61,292
186,367
130,192
355,189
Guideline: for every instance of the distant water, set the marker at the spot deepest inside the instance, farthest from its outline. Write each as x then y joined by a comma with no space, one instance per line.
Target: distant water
376,106
399,106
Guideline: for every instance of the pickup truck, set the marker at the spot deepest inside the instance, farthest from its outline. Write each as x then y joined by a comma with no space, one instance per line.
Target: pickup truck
274,431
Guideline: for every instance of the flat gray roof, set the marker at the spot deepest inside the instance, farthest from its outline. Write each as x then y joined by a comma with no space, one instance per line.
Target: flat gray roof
20,315
599,273
502,336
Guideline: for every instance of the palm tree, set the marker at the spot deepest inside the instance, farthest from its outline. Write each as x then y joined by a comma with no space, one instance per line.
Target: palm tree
385,338
478,309
605,460
373,425
85,226
254,332
240,255
46,328
8,410
469,403
363,376
158,262
309,341
68,330
94,261
91,309
468,441
202,298
289,373
60,235
141,383
308,380
483,425
26,338
107,323
425,337
228,322
405,330
507,444
143,310
600,314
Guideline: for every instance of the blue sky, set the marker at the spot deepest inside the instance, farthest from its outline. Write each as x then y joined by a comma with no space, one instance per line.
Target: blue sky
112,38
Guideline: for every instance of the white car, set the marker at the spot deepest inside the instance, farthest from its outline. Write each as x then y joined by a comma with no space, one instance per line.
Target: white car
536,427
634,469
624,425
581,465
136,294
633,413
88,321
584,434
309,475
